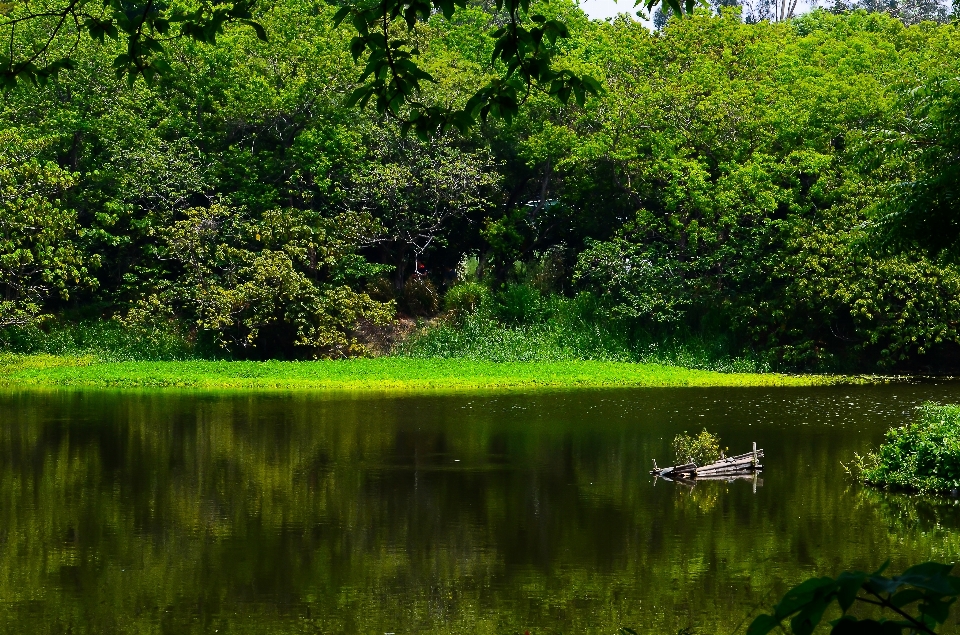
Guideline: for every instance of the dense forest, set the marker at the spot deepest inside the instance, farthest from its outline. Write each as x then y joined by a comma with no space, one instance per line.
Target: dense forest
728,186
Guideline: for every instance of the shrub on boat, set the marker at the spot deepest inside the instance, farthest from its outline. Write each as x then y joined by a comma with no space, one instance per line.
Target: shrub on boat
701,449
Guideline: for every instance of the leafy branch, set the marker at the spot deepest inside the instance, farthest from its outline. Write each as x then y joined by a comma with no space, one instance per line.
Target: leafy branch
928,588
143,26
523,49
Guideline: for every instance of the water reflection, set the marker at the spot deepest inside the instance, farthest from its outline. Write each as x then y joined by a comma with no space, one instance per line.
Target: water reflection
197,513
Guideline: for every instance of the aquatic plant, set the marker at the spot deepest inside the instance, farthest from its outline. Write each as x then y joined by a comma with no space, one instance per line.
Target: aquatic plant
923,455
383,374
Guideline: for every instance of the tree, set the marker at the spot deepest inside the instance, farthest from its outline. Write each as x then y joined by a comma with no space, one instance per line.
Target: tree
908,11
41,38
39,255
41,42
281,283
417,190
924,208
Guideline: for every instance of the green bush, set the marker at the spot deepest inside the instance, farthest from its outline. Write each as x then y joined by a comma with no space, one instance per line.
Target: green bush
108,340
923,455
519,304
420,298
569,329
466,299
381,289
701,449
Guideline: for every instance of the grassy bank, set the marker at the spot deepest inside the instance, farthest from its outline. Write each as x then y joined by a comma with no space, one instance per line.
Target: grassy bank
381,374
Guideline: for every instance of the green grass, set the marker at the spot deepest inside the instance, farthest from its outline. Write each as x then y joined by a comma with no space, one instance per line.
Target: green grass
386,374
571,329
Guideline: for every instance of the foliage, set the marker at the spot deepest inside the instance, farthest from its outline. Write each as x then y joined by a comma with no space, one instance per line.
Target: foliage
568,329
466,299
908,11
633,283
923,209
40,258
41,38
418,190
106,340
283,280
924,455
920,600
518,303
701,449
712,207
420,297
524,47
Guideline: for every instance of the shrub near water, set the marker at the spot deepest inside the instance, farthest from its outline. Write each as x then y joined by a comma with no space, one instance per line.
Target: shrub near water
518,324
923,455
106,340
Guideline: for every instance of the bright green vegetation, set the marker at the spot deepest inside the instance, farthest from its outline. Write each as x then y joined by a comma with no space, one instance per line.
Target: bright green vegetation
923,455
701,449
520,324
716,201
381,374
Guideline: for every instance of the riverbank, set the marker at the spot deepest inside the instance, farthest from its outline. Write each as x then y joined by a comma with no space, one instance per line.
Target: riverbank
379,374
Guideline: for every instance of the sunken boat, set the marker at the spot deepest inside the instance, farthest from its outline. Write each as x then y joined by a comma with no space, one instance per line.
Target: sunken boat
727,466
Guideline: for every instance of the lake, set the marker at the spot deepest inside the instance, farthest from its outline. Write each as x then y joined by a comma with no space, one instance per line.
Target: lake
187,512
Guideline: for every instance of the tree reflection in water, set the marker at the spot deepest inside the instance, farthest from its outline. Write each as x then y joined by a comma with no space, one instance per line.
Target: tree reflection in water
200,512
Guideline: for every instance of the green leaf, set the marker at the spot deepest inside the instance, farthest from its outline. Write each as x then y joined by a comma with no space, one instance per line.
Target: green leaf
801,595
341,14
809,616
258,28
357,95
937,609
906,596
762,625
849,584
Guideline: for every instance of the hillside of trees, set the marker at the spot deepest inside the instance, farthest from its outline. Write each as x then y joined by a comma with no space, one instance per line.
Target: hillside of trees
729,182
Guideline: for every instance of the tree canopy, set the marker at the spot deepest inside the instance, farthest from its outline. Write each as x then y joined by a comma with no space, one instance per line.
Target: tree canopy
726,181
44,38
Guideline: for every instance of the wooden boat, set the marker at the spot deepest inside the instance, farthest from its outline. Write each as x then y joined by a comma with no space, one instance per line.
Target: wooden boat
725,467
690,483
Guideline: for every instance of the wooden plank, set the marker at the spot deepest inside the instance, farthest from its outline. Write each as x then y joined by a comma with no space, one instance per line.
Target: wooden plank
749,470
740,465
748,462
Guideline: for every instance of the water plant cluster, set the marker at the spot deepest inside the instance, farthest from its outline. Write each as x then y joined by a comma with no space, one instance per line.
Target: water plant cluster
383,374
923,455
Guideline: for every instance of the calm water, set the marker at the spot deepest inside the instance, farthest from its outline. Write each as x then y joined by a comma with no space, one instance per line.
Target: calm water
214,513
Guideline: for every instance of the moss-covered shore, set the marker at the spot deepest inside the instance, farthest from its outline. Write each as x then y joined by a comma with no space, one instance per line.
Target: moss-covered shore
382,374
